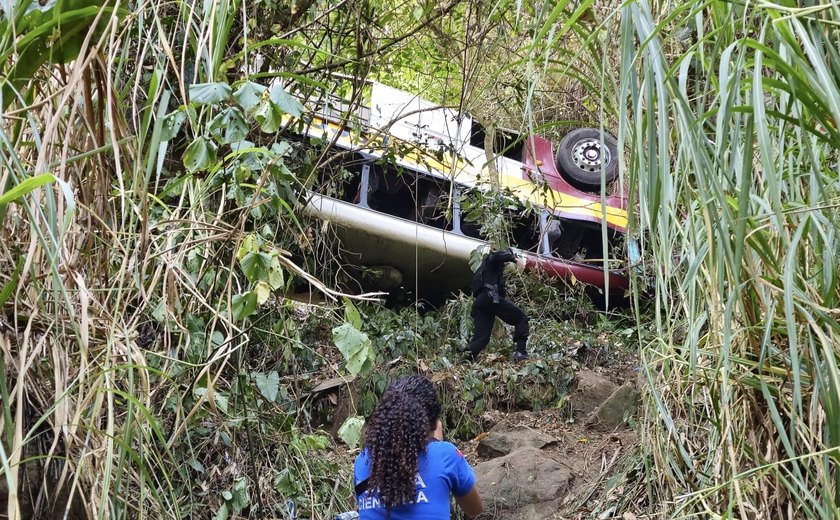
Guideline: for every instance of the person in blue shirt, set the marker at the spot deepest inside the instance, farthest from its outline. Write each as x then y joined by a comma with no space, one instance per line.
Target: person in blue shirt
406,470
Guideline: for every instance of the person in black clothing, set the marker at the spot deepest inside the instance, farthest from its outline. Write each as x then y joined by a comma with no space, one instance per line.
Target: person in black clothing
490,302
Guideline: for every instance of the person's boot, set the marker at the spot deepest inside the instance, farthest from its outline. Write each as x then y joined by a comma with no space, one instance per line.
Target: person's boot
520,355
469,356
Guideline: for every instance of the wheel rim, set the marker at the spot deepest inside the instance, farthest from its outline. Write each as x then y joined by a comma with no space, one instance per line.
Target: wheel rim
589,154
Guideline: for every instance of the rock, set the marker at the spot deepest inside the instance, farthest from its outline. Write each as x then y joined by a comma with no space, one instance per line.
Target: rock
490,418
524,477
592,390
502,440
611,413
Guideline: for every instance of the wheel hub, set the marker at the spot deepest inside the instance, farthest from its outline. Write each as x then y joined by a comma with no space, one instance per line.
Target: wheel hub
589,154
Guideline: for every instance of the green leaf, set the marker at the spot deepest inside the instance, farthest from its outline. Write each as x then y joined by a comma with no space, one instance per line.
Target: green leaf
172,124
281,148
269,116
217,339
244,305
268,384
263,291
196,465
315,442
256,266
286,483
249,95
241,146
275,273
285,101
355,346
209,93
351,431
25,187
200,155
229,126
221,401
240,496
250,244
351,314
222,512
11,285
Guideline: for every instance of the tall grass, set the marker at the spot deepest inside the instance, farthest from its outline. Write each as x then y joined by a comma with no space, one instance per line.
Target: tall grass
125,368
729,113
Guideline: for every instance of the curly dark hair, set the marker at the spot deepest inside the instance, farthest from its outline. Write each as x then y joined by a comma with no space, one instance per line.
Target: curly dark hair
396,435
422,390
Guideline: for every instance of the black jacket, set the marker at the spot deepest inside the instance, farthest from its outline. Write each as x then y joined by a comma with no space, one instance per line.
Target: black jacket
490,274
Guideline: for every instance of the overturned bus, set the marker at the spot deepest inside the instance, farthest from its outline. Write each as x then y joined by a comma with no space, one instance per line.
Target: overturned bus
406,179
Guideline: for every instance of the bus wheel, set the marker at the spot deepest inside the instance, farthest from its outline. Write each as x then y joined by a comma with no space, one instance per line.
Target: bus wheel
581,156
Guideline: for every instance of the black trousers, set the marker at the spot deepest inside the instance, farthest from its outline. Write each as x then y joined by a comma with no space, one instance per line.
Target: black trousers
484,313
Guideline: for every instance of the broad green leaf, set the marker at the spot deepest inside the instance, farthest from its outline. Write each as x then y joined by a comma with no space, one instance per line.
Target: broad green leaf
315,441
200,155
244,305
275,273
283,173
355,346
249,95
220,399
229,126
241,146
209,93
263,291
269,116
222,512
172,124
268,384
351,314
217,339
281,148
285,101
250,244
351,431
286,483
256,266
240,496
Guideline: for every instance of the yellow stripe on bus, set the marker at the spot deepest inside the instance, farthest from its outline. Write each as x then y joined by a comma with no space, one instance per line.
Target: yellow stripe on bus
526,190
563,201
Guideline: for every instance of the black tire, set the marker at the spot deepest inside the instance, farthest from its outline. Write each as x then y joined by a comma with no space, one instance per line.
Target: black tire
579,156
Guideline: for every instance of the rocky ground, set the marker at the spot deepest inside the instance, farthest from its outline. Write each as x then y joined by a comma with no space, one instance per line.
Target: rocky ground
545,465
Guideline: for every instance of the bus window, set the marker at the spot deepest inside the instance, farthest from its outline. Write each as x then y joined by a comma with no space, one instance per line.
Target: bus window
506,143
525,231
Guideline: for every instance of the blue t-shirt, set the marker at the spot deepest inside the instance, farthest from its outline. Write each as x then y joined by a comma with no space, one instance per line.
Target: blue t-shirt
442,469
